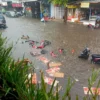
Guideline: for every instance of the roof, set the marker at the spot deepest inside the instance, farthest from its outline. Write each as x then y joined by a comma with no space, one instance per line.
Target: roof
80,1
91,1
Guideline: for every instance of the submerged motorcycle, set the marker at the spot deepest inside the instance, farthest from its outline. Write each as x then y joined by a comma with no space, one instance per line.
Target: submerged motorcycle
85,54
95,58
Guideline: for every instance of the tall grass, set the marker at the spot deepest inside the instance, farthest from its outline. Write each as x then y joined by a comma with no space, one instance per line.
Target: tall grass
15,84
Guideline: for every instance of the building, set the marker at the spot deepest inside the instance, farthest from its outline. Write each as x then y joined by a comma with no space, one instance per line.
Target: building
84,9
36,8
11,4
57,11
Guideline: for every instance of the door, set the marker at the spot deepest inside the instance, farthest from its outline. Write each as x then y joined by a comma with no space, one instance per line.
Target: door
59,12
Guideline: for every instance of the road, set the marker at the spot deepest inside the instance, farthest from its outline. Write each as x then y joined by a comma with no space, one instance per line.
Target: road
67,36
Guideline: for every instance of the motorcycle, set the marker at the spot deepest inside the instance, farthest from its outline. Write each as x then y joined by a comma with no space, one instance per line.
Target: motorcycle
85,54
95,58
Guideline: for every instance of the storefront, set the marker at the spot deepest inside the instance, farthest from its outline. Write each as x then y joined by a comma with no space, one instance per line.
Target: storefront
90,10
95,8
85,10
45,9
32,9
28,11
72,11
17,6
36,8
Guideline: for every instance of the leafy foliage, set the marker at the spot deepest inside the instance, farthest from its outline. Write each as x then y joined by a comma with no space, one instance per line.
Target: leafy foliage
61,2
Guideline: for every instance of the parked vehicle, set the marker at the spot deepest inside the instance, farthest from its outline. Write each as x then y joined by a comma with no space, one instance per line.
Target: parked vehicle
13,14
19,13
85,54
2,21
10,14
95,58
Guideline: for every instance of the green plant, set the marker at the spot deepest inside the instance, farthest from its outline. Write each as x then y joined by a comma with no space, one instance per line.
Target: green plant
91,81
68,88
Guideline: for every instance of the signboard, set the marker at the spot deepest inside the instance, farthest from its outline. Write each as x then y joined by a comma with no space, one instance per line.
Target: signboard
72,6
85,5
16,5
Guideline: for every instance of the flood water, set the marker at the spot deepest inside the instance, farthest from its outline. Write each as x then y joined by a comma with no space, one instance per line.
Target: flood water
67,36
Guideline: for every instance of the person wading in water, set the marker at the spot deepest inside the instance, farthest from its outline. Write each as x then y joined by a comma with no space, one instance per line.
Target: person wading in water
65,15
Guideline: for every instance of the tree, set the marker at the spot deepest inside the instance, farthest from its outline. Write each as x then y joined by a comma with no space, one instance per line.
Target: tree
62,3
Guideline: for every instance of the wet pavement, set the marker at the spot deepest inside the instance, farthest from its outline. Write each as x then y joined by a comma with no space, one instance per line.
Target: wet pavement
67,36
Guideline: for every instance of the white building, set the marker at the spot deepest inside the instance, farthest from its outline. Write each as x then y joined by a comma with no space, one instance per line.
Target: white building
57,11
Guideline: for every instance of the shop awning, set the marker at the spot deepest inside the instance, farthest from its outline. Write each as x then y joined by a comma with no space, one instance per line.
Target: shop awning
16,5
28,0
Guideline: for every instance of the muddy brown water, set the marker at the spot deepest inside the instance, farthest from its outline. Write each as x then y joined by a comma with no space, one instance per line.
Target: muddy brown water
67,36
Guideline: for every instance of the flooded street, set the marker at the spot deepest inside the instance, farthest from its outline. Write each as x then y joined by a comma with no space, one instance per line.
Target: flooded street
67,36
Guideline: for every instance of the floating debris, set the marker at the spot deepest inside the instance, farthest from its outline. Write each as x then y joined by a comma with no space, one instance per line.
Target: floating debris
43,59
54,64
25,37
49,81
53,70
52,54
57,74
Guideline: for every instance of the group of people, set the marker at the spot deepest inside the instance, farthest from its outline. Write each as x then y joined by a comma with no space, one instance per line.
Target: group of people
97,22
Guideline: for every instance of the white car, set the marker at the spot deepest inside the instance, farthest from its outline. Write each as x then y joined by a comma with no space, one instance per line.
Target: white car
12,14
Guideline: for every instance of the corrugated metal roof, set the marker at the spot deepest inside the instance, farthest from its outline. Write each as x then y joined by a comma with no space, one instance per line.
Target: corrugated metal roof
79,1
28,0
96,1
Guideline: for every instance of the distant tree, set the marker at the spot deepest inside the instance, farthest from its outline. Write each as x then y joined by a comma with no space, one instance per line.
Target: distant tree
63,3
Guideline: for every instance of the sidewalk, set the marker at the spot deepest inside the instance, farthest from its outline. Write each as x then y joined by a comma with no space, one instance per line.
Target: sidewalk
83,22
61,20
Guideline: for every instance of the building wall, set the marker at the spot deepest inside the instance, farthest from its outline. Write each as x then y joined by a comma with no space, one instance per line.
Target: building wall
52,11
57,12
